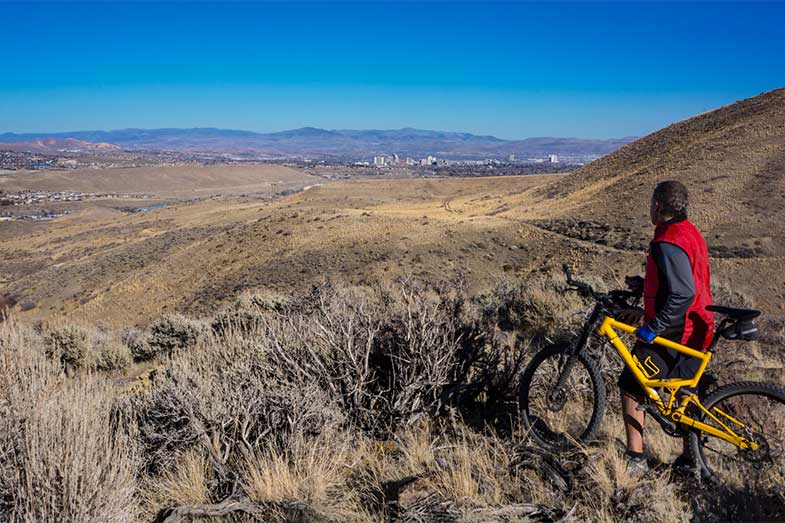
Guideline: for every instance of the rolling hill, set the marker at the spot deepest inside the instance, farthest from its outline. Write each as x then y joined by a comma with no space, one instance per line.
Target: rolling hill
54,144
731,159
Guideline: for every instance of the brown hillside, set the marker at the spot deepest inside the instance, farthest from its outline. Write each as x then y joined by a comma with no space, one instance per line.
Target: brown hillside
102,264
731,159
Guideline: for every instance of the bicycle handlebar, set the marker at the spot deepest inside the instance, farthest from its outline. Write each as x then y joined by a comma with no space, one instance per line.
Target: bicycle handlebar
583,287
609,299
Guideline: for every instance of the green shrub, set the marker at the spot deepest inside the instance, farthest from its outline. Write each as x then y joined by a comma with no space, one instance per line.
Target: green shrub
112,355
246,312
174,332
533,308
137,342
68,344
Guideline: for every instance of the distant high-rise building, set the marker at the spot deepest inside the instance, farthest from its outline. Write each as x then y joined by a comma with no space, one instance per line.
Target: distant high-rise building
511,158
379,161
409,161
553,158
396,160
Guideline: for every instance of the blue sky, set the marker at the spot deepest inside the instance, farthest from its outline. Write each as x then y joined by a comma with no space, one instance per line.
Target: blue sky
511,69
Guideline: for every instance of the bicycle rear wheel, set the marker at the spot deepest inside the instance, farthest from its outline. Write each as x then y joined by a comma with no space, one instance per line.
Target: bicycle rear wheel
568,416
752,410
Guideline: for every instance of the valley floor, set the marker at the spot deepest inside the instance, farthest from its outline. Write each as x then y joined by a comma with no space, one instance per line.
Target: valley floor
103,264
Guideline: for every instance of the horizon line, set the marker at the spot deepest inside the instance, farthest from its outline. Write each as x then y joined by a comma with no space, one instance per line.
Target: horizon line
307,127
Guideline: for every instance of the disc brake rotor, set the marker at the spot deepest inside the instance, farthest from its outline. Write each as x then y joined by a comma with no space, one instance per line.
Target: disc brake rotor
556,400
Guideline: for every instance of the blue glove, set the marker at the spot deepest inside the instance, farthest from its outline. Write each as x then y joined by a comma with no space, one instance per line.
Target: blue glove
645,333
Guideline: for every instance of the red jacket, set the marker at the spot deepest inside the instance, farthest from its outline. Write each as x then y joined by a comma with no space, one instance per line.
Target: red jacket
699,323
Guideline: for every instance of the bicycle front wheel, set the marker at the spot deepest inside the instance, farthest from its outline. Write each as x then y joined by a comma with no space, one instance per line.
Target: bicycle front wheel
561,415
752,410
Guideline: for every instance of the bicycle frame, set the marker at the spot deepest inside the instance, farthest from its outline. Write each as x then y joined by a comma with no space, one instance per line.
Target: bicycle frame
674,412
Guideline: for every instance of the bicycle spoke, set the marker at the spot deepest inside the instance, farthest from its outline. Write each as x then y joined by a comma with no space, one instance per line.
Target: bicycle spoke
760,419
567,416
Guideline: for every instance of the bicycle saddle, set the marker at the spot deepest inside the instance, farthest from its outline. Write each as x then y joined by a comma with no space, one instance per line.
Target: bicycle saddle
736,314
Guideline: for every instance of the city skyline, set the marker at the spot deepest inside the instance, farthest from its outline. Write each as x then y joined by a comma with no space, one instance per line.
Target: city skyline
511,70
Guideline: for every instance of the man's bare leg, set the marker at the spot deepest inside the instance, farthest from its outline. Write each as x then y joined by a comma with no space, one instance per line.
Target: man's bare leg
633,423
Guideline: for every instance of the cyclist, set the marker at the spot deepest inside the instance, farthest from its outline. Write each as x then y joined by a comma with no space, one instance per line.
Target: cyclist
676,292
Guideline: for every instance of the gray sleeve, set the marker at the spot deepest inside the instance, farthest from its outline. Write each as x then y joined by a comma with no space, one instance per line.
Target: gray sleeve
674,266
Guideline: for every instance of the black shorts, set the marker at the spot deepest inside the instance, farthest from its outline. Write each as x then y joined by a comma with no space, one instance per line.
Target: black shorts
661,363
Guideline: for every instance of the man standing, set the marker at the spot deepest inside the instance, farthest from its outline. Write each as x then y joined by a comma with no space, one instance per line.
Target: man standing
676,292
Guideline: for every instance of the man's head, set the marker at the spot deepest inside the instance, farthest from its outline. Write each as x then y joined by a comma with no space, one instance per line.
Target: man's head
669,201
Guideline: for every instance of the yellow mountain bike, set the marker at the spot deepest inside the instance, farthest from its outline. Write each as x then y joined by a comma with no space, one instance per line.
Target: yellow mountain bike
736,434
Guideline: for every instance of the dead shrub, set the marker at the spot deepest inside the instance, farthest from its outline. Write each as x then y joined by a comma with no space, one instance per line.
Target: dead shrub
224,397
387,356
369,359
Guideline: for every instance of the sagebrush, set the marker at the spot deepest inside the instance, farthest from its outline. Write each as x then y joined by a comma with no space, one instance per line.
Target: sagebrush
345,404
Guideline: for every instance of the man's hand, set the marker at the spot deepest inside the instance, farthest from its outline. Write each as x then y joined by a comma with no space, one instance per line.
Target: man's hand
644,333
634,283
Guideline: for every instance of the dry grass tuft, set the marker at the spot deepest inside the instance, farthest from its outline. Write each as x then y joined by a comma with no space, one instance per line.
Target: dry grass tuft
63,457
316,472
184,483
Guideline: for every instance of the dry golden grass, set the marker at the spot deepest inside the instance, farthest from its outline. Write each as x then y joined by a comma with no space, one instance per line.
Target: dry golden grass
184,483
312,471
131,269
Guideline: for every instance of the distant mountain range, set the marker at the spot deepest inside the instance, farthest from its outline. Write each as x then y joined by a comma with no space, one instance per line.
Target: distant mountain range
315,143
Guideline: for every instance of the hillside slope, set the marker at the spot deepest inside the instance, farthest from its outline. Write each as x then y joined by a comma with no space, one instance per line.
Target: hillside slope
731,159
102,264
